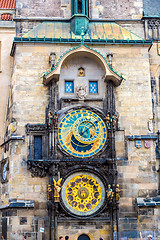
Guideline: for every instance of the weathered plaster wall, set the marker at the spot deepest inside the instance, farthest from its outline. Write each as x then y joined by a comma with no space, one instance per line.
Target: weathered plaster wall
6,38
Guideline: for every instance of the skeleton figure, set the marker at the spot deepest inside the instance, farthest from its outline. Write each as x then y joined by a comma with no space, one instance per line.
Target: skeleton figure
57,189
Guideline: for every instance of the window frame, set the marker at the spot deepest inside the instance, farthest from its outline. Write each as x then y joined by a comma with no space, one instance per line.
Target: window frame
68,80
85,7
89,86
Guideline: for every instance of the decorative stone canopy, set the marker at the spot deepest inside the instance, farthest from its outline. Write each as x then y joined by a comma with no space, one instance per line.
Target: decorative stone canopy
83,50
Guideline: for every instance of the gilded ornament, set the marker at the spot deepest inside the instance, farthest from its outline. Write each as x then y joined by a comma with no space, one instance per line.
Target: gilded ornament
81,72
57,189
12,127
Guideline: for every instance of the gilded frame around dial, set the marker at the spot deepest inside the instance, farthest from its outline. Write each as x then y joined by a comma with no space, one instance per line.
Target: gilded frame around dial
83,194
82,133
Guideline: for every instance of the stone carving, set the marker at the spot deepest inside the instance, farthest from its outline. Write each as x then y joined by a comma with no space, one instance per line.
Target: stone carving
35,127
150,125
153,28
37,169
81,92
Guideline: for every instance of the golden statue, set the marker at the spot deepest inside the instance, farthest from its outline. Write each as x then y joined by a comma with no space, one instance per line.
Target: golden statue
57,189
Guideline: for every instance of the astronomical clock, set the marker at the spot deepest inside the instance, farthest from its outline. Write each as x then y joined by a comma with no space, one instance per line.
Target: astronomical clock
78,142
82,144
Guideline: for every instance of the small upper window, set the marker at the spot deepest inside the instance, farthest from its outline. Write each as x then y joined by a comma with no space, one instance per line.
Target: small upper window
80,7
93,87
69,88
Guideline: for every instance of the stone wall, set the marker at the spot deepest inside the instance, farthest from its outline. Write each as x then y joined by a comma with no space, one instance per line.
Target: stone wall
137,171
43,8
6,38
114,9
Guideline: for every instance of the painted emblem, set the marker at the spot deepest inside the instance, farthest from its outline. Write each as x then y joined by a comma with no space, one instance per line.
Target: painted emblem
83,193
81,72
12,127
147,143
138,143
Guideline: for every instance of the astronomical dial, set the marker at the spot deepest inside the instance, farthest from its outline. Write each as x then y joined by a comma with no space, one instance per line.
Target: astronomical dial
83,193
82,133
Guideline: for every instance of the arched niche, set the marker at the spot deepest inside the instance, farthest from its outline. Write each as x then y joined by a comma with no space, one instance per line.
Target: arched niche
82,69
83,237
109,73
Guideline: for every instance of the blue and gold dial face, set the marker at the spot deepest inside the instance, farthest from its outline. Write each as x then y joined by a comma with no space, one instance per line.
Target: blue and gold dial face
82,133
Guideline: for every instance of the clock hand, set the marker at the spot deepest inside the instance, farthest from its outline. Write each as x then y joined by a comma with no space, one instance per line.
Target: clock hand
89,127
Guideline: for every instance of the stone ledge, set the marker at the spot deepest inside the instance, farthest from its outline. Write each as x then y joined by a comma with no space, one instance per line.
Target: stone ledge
14,203
141,137
148,202
13,138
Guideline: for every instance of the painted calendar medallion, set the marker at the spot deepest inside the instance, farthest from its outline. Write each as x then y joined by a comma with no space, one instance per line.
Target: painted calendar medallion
83,193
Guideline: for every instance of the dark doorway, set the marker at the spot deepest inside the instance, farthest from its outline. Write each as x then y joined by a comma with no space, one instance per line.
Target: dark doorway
83,237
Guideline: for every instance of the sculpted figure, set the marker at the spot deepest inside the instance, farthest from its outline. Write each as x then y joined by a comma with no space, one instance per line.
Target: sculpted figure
109,193
81,92
57,189
49,190
117,193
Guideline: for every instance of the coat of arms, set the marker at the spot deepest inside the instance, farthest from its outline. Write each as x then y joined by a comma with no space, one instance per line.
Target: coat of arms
147,144
138,143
